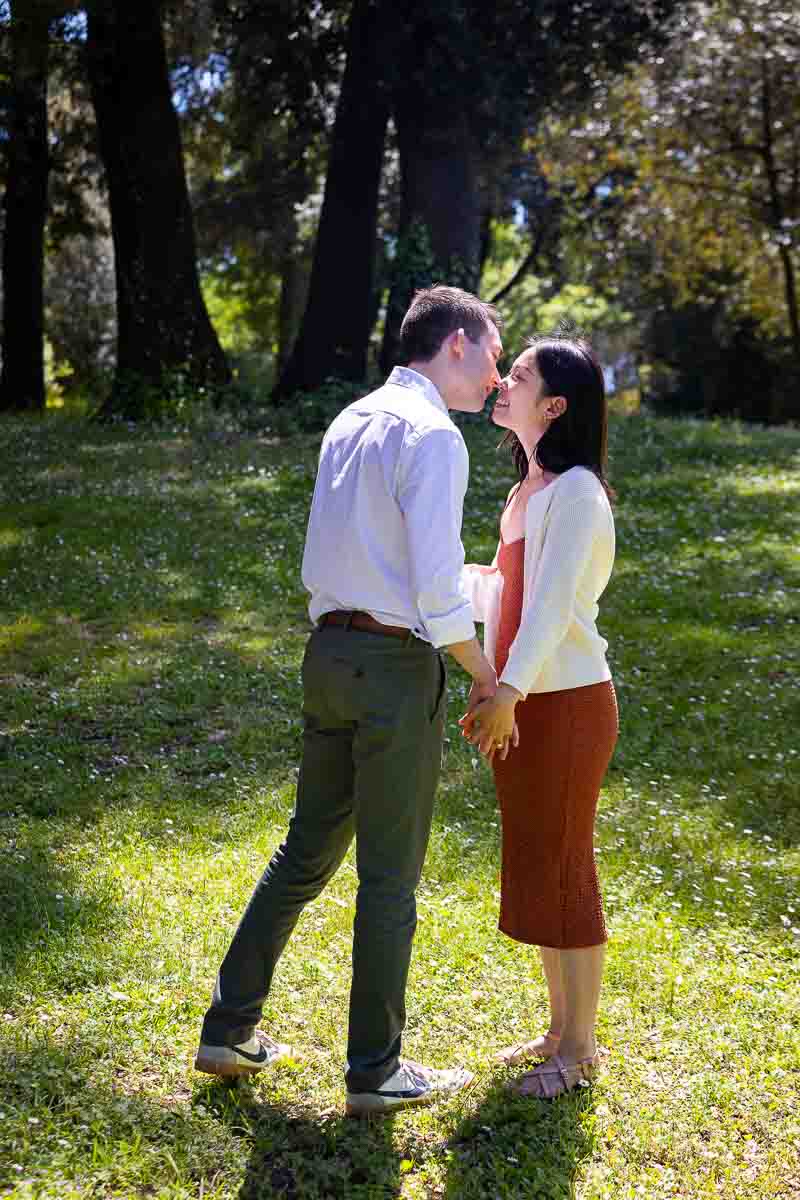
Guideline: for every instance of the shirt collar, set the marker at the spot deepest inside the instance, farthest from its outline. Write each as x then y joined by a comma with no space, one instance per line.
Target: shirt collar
405,377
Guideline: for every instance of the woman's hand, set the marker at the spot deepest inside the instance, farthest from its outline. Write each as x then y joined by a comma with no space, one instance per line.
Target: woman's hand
489,724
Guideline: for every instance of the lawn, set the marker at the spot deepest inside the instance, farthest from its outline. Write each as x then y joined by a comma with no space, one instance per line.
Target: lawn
152,624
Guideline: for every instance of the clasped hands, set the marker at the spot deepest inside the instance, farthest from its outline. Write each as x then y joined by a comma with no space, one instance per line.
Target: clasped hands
489,721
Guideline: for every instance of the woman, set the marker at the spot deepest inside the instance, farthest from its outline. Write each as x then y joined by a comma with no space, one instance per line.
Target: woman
539,604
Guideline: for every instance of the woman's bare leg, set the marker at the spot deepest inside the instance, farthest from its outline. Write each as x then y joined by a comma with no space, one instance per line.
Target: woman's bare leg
551,965
581,979
581,974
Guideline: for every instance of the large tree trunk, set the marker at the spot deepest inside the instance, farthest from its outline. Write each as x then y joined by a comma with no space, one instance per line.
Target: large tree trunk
440,221
334,335
164,330
777,209
22,381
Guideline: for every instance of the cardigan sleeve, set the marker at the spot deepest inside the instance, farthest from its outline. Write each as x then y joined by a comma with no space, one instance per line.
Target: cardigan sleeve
570,538
481,585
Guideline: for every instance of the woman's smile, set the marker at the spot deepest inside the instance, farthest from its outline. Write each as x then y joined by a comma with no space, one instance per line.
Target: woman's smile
502,402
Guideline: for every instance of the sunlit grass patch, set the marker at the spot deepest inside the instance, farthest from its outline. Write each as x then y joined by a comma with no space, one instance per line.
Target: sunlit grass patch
154,625
16,634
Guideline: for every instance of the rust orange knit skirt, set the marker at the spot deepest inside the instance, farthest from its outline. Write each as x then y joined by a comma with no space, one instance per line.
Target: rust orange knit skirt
547,790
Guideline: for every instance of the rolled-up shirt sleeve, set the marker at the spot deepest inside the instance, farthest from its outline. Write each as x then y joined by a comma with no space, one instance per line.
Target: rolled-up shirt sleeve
432,483
550,602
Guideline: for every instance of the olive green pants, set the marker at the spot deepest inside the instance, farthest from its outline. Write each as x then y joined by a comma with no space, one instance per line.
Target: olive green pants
374,717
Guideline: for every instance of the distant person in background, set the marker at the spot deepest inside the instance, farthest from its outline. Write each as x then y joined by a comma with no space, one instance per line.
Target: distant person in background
538,600
383,563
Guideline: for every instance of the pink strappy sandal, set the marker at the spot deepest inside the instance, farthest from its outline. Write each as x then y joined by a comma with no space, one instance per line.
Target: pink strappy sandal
556,1077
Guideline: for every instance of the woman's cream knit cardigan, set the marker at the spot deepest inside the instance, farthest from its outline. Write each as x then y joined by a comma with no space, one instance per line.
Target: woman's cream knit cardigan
569,553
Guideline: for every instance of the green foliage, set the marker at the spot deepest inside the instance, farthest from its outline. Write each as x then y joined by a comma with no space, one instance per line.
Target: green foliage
528,310
685,188
412,266
537,303
242,304
312,412
175,396
149,738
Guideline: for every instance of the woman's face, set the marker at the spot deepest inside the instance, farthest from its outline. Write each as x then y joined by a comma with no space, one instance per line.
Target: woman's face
521,405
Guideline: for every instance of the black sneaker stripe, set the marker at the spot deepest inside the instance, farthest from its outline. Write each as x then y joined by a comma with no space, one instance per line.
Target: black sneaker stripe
406,1095
253,1058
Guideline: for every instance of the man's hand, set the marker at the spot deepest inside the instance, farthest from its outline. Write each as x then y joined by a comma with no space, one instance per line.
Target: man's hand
482,689
489,723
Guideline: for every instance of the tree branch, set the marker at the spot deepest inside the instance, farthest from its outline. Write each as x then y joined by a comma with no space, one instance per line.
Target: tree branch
525,266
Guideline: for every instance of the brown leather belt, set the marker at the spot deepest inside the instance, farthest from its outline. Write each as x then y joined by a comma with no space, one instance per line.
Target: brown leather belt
363,622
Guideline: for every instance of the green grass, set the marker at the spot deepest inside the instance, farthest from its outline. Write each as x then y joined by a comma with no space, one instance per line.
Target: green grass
151,627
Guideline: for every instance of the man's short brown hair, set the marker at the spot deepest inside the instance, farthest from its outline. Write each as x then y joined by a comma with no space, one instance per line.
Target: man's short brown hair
435,313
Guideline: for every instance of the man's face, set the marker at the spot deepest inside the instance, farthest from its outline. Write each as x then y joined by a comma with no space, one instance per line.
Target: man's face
477,370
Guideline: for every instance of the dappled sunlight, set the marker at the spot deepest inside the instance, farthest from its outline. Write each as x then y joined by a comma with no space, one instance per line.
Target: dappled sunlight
15,636
9,538
778,483
149,748
64,473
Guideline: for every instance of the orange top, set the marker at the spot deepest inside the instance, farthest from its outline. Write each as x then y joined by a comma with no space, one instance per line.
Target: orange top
511,564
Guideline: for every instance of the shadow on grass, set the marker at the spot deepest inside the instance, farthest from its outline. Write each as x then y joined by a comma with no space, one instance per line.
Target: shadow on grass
301,1156
191,530
517,1148
54,921
74,1125
164,734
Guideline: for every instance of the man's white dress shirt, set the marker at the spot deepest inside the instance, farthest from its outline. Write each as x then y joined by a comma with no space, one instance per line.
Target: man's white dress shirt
384,533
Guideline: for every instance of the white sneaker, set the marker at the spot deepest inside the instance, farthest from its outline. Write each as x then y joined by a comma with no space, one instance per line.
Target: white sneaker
410,1084
245,1059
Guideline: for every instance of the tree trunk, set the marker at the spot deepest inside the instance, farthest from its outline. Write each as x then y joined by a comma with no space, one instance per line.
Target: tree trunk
164,331
22,381
440,219
777,212
334,334
294,281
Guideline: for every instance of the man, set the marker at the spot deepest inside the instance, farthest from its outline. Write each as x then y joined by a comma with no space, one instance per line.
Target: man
382,562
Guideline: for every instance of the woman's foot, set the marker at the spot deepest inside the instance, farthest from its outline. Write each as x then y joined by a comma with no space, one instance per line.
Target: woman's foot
554,1078
544,1046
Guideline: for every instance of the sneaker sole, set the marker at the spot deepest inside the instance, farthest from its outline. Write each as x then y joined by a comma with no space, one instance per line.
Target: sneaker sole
371,1104
222,1061
226,1070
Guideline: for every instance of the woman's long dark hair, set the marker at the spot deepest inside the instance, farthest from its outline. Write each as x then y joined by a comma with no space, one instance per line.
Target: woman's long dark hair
570,368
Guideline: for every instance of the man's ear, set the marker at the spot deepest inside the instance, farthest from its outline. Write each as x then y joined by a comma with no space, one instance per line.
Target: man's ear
556,407
457,340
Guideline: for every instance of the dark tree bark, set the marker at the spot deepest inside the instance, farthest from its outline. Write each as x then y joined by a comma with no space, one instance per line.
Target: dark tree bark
334,334
290,308
22,381
163,326
777,210
440,217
